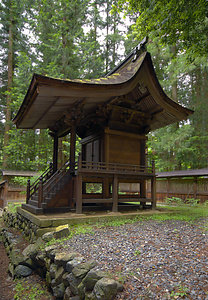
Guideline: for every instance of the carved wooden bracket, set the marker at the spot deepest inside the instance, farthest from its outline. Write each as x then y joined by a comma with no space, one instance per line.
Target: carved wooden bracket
69,118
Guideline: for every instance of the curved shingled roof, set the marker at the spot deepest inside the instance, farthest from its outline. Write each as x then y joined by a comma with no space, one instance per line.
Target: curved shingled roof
130,99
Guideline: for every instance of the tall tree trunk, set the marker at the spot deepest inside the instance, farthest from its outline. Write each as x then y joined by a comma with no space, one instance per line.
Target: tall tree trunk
9,86
107,39
175,98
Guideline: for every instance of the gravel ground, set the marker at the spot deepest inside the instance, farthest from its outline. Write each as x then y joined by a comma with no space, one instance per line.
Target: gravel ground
154,260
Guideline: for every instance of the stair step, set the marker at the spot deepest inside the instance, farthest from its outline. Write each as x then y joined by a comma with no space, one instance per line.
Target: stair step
43,205
33,202
32,209
34,198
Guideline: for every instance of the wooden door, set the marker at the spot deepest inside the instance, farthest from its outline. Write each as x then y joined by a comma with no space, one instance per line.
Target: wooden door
93,151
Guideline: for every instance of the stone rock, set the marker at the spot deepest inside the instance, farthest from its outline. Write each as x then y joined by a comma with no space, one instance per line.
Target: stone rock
11,270
82,269
53,269
73,283
58,275
81,291
73,263
120,287
48,279
62,231
52,254
39,242
31,251
41,272
59,290
105,289
40,259
16,257
28,262
62,258
49,249
48,236
67,294
90,296
22,271
91,278
47,263
64,279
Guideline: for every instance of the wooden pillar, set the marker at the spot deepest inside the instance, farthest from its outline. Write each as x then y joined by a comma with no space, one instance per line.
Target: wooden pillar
153,186
106,183
79,187
28,191
40,192
142,163
78,194
72,146
195,187
6,188
55,154
115,193
168,187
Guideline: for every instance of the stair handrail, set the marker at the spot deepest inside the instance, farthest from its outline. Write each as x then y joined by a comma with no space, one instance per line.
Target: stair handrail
55,178
31,189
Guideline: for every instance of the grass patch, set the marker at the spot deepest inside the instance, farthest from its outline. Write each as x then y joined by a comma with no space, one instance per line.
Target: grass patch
26,289
181,213
12,206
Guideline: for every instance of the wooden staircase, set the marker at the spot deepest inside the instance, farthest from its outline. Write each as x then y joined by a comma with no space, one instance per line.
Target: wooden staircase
49,190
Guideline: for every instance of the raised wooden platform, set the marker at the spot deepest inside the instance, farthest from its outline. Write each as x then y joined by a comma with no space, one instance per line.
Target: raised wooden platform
48,222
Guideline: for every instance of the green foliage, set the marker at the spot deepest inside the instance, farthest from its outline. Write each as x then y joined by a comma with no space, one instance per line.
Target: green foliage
179,54
12,206
82,39
181,292
179,201
174,21
95,188
62,39
25,289
137,252
192,201
173,200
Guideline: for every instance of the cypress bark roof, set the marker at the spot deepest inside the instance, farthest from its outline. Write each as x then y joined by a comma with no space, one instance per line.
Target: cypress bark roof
128,99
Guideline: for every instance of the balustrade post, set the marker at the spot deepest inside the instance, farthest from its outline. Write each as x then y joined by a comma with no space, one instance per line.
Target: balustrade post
153,186
79,162
79,194
40,192
28,191
115,193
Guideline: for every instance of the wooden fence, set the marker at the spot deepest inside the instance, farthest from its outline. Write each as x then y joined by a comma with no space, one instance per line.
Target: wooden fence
188,184
184,188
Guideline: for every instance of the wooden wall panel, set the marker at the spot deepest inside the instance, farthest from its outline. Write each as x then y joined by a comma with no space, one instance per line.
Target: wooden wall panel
124,150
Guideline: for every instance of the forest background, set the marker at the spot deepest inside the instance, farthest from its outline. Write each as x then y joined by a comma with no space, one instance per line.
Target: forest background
85,39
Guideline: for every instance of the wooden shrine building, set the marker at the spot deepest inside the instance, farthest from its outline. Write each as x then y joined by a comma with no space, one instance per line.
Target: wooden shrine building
112,116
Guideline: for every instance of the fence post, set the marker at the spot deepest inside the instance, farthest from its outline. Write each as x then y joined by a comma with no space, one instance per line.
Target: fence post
40,192
28,191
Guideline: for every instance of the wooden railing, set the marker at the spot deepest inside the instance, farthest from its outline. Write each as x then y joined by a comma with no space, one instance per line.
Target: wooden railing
57,177
32,189
112,167
48,181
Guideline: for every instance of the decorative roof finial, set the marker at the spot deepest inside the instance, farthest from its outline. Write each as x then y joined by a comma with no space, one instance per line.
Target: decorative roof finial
140,48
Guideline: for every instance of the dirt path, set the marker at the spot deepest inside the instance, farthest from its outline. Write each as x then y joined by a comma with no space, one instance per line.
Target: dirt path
6,283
